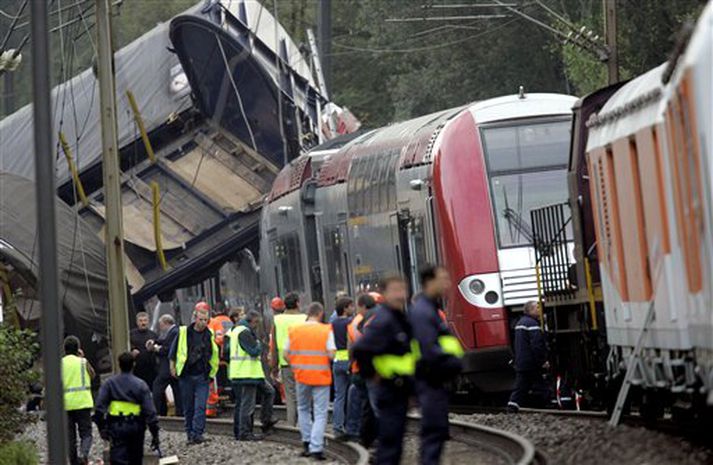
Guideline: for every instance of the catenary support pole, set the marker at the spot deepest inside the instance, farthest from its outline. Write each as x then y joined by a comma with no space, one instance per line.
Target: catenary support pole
610,27
324,29
118,308
51,320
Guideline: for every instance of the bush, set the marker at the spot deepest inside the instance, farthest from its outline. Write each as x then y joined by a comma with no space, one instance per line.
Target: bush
18,349
18,453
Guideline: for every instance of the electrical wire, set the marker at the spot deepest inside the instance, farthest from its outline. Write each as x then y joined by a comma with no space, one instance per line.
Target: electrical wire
425,48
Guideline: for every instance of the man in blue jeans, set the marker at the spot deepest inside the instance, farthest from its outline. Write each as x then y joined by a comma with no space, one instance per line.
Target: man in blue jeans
340,369
194,361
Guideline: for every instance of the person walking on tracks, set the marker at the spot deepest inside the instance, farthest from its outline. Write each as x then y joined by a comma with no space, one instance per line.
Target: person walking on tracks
245,371
309,348
289,318
168,334
530,360
194,361
141,338
387,357
77,376
440,361
340,369
124,409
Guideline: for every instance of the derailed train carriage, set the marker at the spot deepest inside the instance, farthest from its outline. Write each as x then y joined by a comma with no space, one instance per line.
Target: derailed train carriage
641,197
453,187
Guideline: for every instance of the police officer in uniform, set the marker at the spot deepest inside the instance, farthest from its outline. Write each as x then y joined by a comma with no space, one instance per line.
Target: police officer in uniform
123,410
530,360
385,357
439,363
77,376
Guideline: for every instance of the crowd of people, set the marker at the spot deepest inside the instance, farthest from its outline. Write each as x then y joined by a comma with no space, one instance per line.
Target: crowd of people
373,357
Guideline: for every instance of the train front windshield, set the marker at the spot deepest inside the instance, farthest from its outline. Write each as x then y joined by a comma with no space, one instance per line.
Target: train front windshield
527,168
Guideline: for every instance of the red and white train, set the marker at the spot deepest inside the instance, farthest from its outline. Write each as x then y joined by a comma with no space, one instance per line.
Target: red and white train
455,187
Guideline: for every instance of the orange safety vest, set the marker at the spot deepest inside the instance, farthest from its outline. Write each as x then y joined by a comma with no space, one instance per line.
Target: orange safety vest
308,355
442,315
220,325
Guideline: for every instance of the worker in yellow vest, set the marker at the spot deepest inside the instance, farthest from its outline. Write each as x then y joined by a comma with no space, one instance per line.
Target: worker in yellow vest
246,373
344,310
194,359
309,349
124,409
283,322
77,376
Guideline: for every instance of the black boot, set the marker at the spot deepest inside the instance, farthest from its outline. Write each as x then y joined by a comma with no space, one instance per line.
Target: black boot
305,449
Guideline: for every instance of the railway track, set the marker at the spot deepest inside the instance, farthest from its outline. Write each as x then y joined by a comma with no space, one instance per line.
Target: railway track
345,452
490,444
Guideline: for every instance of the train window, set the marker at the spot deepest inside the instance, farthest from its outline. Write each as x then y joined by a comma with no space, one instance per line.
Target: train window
371,193
391,180
384,183
288,257
336,266
527,166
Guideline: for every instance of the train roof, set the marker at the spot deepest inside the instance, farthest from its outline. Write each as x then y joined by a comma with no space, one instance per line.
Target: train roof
631,108
516,107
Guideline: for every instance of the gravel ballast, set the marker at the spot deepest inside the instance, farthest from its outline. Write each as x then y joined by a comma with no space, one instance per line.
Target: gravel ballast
584,441
219,450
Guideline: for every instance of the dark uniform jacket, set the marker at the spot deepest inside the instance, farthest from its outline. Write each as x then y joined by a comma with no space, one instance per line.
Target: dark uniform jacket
388,332
145,361
530,347
166,341
128,388
434,365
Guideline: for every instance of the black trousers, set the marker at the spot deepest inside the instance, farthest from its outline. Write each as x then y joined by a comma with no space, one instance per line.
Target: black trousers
434,421
127,442
530,390
368,431
79,421
391,406
159,394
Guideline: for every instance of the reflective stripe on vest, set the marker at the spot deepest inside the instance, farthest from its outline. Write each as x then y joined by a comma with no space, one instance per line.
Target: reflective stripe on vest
182,352
283,322
308,354
76,383
389,366
450,345
242,365
120,408
341,355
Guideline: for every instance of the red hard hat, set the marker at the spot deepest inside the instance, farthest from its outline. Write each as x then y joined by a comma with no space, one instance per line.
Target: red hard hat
277,304
378,298
202,306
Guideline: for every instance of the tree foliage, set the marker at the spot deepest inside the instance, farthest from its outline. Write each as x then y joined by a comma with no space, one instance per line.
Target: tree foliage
18,350
386,71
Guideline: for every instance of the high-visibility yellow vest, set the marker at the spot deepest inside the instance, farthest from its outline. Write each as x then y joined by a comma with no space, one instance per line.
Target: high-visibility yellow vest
450,345
341,355
390,366
77,383
242,365
283,322
182,352
120,408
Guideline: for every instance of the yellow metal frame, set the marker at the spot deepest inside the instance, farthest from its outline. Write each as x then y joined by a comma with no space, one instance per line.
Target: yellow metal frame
590,295
73,169
142,128
156,201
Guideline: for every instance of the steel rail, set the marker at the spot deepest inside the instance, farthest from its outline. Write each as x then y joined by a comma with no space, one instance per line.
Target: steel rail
512,448
346,452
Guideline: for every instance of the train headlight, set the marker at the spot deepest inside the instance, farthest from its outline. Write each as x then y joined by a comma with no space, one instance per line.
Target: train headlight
491,297
477,286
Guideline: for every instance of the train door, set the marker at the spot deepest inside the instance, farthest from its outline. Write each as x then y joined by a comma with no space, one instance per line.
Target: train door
311,243
410,248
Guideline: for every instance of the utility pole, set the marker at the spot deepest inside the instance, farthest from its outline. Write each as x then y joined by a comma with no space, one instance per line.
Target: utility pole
51,329
116,277
324,45
610,28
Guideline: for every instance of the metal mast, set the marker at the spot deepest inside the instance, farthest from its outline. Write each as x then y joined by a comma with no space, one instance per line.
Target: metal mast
51,322
324,29
610,28
118,305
